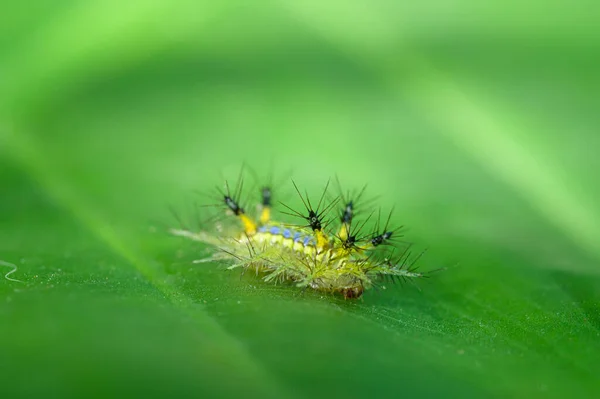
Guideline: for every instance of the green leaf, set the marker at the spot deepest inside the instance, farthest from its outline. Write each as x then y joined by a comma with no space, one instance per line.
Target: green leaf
480,130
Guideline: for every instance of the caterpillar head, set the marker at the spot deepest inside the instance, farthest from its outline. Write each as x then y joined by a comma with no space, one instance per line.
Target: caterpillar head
352,292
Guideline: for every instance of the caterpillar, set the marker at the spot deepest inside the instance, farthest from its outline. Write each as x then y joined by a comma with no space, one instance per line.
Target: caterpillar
327,251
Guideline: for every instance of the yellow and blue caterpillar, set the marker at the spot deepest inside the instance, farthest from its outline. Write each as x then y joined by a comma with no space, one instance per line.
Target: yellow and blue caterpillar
312,255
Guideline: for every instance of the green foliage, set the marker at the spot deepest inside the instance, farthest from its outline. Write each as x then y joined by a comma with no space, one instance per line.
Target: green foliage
479,125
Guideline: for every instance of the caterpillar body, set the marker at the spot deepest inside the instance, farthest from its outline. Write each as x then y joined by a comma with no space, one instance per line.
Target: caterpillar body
340,259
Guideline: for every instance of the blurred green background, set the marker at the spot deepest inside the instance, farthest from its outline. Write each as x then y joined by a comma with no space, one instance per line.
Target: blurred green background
477,121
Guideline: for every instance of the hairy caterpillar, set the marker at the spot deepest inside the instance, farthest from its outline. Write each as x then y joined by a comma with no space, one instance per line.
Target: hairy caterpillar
330,252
